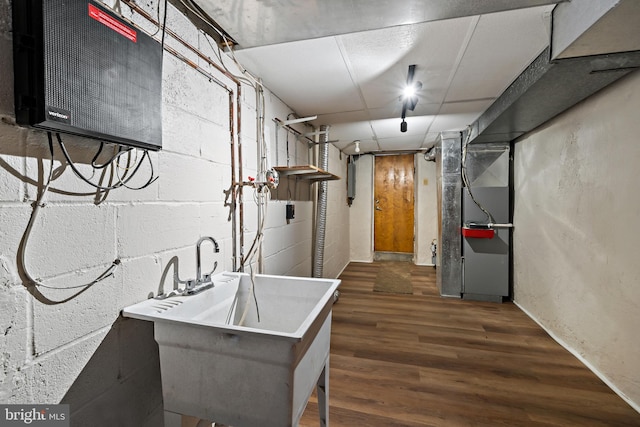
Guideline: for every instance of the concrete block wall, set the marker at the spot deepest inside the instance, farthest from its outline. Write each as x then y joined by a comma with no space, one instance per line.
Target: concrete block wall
361,212
336,249
426,213
72,345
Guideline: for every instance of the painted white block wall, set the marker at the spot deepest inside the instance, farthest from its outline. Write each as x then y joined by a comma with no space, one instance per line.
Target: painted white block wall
81,351
575,244
336,251
362,210
426,213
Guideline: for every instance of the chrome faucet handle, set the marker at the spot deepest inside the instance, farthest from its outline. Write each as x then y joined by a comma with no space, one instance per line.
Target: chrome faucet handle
206,278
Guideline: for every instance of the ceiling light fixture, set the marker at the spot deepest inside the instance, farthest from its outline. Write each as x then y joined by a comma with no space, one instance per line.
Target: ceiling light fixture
357,142
410,96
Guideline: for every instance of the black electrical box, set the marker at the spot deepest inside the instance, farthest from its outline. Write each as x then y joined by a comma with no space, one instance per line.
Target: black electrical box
82,69
290,211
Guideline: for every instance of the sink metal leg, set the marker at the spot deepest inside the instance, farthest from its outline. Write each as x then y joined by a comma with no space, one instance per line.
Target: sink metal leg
323,395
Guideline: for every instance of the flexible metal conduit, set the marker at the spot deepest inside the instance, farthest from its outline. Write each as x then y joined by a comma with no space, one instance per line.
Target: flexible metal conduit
321,213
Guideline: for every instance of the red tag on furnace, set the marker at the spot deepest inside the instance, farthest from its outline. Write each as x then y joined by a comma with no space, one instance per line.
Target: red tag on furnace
114,24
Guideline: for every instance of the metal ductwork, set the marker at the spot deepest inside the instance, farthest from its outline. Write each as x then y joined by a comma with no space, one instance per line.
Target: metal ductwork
321,213
448,155
594,43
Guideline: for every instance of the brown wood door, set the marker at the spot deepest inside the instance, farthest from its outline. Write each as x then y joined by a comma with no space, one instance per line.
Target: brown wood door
393,203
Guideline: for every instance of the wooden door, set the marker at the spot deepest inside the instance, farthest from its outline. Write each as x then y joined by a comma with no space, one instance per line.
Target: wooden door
393,203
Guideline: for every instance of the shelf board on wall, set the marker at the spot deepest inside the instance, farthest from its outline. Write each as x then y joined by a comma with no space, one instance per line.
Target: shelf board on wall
307,172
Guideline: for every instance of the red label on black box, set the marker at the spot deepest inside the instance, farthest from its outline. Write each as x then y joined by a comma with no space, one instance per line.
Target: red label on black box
114,24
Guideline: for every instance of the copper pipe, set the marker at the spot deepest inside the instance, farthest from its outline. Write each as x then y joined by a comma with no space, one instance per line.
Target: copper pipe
140,11
236,186
233,180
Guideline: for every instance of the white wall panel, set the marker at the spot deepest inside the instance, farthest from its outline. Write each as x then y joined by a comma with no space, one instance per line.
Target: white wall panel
575,246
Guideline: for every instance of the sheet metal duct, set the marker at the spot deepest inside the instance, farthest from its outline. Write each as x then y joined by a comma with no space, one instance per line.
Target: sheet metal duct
550,86
449,188
595,27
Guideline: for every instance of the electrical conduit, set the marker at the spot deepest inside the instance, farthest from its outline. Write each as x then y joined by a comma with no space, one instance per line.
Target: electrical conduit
321,212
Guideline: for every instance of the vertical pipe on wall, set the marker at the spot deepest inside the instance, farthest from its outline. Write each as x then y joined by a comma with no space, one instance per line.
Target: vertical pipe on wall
236,180
262,168
240,175
321,213
232,189
236,131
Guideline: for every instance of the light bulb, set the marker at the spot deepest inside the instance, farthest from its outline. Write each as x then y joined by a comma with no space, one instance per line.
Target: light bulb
357,146
409,91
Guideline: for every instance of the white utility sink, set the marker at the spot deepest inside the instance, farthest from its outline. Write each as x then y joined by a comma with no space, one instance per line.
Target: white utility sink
260,374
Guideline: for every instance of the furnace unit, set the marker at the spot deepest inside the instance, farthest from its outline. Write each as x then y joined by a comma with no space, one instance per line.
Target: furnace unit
485,222
473,258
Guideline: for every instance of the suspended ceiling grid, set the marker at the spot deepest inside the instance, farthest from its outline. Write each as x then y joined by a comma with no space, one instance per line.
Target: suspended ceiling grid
347,61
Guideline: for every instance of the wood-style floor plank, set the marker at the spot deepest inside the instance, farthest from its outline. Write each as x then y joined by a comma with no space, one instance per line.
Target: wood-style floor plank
421,360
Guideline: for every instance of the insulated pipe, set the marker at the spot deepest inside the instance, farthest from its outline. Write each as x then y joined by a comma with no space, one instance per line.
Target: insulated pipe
321,213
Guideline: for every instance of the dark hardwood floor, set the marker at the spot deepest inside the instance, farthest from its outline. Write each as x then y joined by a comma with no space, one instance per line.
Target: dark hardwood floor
421,360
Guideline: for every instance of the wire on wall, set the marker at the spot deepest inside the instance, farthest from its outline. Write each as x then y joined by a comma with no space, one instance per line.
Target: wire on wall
261,197
262,193
249,79
465,178
27,233
114,163
164,24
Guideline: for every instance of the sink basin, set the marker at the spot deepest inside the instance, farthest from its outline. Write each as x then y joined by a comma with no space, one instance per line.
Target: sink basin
260,373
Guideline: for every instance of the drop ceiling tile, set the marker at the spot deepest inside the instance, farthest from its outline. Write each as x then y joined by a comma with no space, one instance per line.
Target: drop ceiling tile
502,46
390,128
406,142
337,118
366,146
422,109
379,59
351,131
430,139
310,76
457,116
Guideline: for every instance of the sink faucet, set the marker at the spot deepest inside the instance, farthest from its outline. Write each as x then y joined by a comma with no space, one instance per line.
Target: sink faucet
202,281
